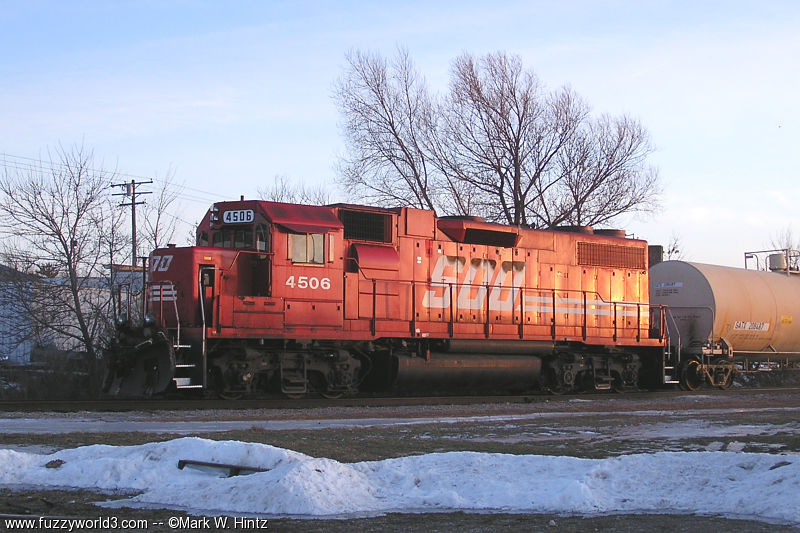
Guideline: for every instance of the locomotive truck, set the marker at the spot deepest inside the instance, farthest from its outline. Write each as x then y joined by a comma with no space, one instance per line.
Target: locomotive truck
338,299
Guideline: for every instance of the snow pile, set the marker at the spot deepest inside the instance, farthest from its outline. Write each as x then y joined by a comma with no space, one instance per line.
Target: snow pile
760,486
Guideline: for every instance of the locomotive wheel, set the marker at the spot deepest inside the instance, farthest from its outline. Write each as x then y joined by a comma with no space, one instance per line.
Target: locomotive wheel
320,385
618,384
216,381
553,383
692,377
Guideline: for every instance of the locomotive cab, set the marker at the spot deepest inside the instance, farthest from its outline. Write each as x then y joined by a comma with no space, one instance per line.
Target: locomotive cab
270,274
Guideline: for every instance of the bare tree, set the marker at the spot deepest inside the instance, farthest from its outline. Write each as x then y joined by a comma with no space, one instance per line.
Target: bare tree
498,144
60,221
158,227
387,118
16,335
502,134
283,190
674,251
605,174
786,240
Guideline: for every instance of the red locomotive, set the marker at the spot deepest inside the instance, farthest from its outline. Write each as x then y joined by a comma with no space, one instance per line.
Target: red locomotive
335,299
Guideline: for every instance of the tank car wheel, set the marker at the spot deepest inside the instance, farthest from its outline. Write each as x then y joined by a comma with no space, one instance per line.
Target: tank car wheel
692,377
295,395
332,395
728,381
230,395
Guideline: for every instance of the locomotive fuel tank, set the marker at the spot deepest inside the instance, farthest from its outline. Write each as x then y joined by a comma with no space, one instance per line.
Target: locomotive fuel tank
755,313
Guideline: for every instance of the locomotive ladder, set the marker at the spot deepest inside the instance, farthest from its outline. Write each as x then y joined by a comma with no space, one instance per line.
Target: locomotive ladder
184,381
183,375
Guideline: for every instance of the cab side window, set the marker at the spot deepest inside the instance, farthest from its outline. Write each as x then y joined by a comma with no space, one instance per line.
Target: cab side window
262,238
307,248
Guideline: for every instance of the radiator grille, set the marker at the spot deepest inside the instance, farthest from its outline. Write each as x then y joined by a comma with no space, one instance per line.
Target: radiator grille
594,254
366,226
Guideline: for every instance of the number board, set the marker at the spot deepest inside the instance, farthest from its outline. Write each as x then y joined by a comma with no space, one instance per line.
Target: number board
238,216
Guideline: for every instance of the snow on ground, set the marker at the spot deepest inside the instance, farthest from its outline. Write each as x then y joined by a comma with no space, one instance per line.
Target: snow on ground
747,485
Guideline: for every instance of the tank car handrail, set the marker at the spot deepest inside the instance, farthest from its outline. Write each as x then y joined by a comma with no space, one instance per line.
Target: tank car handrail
677,331
704,307
788,253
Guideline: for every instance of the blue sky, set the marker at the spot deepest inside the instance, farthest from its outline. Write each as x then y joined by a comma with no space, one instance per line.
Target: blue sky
230,94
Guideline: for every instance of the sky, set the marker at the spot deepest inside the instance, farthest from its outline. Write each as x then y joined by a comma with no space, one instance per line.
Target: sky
226,96
297,485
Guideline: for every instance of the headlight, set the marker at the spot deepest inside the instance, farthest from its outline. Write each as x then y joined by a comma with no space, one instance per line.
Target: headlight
149,319
122,320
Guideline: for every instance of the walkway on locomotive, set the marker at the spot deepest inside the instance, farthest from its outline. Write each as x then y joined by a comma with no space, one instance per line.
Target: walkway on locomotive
274,270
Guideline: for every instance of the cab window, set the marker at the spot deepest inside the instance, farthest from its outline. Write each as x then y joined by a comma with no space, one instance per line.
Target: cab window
233,238
307,248
262,238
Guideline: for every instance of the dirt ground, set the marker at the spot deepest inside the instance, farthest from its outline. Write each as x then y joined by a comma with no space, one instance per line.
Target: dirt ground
597,427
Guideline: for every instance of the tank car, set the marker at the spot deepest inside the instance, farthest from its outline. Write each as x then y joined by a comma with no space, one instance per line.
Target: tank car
722,319
341,298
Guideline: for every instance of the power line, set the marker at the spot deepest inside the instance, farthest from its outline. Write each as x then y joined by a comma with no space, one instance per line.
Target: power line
184,192
29,164
130,190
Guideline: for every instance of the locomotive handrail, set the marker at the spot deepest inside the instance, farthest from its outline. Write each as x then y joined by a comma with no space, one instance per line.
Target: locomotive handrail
204,340
169,283
551,294
177,322
358,267
245,252
165,283
200,299
488,288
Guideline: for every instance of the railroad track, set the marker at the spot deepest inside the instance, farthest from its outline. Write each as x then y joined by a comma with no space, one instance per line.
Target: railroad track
198,404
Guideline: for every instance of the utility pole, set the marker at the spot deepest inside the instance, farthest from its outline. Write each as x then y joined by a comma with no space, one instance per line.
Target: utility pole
130,191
